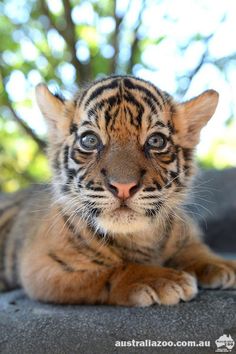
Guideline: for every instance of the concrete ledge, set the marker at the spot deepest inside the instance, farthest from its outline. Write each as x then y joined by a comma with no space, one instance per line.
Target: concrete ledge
28,327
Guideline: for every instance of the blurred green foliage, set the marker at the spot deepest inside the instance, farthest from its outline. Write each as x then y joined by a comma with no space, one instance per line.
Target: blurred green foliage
21,160
66,43
222,152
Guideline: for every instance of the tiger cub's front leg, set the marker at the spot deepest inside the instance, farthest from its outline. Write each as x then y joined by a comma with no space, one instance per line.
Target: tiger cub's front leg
141,285
210,270
188,253
127,284
50,277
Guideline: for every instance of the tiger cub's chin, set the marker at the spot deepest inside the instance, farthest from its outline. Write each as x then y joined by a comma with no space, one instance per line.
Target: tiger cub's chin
122,223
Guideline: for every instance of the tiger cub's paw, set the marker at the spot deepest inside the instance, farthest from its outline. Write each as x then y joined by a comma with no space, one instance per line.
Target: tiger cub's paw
168,290
216,274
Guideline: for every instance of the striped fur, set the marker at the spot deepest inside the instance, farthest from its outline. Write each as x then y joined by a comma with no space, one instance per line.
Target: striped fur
75,241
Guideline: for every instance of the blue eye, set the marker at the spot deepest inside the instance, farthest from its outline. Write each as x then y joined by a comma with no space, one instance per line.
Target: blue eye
90,141
156,141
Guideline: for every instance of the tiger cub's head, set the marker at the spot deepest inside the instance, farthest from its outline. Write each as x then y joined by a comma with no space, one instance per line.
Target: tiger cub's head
122,151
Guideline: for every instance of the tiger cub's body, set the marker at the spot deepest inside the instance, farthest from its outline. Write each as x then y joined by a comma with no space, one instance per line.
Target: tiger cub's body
110,228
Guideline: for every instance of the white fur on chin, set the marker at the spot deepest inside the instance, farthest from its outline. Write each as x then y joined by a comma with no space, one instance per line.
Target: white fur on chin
122,223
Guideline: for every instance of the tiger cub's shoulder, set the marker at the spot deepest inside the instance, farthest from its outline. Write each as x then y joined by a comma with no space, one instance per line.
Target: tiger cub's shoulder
13,204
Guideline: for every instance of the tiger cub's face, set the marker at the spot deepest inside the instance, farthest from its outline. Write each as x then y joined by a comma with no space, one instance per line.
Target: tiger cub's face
122,151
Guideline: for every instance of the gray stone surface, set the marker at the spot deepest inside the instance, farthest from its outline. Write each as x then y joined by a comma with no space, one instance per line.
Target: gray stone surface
28,327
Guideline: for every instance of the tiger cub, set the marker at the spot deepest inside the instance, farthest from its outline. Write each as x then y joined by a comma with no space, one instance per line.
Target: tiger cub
109,228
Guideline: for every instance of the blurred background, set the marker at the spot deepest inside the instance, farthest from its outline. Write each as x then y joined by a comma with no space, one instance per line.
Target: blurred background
184,47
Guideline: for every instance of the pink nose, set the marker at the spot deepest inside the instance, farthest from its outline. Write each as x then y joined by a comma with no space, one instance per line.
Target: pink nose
123,191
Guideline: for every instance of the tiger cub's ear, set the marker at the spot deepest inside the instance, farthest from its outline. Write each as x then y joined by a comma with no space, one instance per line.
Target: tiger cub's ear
193,115
57,111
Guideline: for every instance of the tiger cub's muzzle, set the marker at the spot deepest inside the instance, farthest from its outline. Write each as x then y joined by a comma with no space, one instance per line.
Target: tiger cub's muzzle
123,188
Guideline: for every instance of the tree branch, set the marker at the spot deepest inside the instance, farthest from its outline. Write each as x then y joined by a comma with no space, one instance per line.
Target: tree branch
69,36
52,22
191,75
41,143
135,41
220,63
83,70
115,39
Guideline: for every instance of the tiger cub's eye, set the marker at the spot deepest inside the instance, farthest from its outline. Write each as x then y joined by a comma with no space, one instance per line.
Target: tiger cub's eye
156,141
90,141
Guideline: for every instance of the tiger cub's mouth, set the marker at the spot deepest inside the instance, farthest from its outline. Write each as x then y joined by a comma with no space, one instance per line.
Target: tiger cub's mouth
122,220
123,210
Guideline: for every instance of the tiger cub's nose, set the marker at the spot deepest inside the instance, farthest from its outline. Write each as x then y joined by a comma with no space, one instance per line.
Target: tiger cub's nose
123,191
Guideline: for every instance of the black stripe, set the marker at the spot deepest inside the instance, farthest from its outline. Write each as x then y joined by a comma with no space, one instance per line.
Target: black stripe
97,189
150,212
74,158
90,184
56,161
187,154
158,124
93,84
95,196
170,127
153,104
187,170
97,92
87,123
131,118
107,117
175,176
66,267
157,184
133,249
100,236
150,197
149,189
178,160
108,286
131,99
94,256
113,100
98,106
154,211
94,212
81,178
66,156
70,172
116,79
73,128
99,262
147,92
